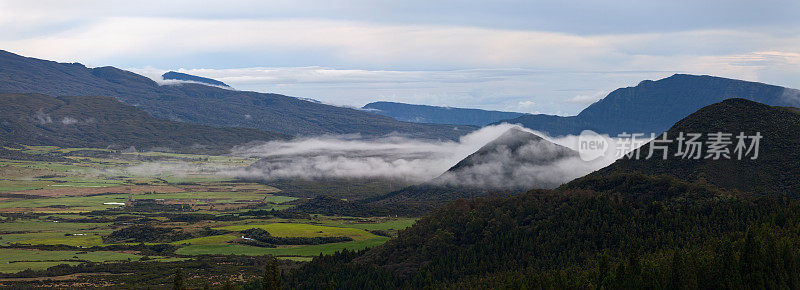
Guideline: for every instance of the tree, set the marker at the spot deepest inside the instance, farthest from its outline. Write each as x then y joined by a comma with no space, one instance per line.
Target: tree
677,276
272,275
177,282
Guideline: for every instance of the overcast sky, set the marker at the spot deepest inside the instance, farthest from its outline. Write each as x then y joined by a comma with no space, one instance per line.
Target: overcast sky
528,56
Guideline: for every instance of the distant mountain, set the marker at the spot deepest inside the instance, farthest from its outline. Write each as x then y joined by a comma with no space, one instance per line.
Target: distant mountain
653,106
514,162
207,105
172,75
775,171
35,119
439,115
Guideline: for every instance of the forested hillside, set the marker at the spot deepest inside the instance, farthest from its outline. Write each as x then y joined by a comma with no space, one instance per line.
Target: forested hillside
774,171
617,229
103,122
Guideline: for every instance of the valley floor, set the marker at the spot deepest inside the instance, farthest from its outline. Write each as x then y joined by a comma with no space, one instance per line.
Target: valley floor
102,218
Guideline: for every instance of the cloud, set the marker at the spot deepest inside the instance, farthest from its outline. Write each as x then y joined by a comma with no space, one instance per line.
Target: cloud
396,158
168,168
586,99
543,163
69,120
42,118
526,104
350,156
536,165
339,54
791,96
491,89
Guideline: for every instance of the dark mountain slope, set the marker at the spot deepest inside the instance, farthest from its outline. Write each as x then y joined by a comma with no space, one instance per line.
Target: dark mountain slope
201,104
775,171
653,106
173,75
34,119
439,115
627,234
615,229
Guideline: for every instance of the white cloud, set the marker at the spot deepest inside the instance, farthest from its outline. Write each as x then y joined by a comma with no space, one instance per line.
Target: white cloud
351,61
69,121
587,99
526,104
417,161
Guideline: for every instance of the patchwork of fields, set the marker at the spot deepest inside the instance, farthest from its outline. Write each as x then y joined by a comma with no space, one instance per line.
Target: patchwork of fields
110,207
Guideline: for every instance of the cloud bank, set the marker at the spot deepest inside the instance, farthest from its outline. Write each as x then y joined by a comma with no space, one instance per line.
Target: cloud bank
417,161
398,159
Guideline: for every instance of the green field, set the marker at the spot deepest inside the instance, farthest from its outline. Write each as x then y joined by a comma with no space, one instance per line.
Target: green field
306,251
372,225
60,205
304,230
80,203
15,260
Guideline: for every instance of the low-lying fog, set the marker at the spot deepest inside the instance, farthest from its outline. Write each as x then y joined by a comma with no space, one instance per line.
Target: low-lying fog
393,157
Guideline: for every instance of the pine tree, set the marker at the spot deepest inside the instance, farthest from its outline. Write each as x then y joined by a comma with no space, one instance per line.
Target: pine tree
272,276
677,276
177,282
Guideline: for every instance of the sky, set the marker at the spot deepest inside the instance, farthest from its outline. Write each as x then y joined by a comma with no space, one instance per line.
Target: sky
553,57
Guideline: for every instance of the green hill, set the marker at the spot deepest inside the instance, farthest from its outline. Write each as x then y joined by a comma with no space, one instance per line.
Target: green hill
776,170
34,119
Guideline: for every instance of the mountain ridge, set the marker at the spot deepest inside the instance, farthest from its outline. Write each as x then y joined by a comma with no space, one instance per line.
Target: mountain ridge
653,106
207,105
438,115
178,76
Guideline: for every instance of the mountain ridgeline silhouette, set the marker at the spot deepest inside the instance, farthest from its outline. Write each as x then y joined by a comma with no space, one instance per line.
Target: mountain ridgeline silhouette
207,105
439,115
653,106
173,75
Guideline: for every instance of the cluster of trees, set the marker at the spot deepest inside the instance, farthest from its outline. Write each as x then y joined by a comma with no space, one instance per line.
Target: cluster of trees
146,234
196,273
272,213
548,232
265,239
759,260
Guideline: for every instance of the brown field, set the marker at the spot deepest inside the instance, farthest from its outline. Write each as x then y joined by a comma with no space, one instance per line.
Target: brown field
84,191
11,171
58,278
230,187
66,209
